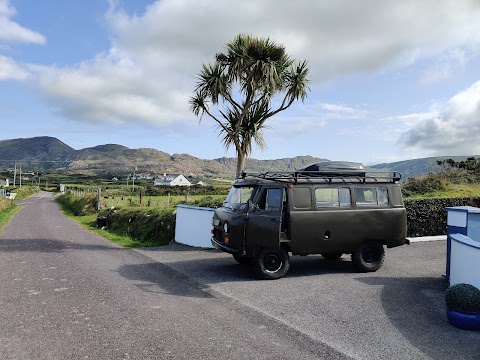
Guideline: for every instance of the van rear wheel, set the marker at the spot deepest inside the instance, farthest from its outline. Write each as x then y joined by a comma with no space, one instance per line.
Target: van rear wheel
271,264
369,256
334,256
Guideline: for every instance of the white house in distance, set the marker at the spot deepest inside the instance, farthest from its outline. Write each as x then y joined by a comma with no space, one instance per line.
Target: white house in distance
171,180
4,183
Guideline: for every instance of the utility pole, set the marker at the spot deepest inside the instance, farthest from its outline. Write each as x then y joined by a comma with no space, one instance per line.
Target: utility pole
15,175
133,180
20,175
99,207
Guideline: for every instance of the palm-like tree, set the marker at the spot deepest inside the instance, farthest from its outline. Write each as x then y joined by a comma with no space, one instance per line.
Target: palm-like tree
241,83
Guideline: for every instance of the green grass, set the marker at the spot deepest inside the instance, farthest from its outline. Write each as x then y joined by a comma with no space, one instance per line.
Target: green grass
452,191
6,214
89,222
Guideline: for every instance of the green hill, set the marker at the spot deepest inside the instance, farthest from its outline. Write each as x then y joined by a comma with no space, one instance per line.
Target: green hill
45,153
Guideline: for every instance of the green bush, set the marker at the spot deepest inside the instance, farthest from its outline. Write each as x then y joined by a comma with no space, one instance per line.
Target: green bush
428,217
423,185
24,191
152,226
78,205
5,203
207,201
191,190
464,298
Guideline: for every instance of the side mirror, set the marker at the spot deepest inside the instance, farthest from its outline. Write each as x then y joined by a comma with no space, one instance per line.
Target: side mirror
252,206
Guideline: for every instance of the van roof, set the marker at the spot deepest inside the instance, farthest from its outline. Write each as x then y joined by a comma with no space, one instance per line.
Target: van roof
325,172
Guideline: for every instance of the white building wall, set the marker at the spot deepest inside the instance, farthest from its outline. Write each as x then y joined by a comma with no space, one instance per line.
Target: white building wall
180,181
193,226
464,261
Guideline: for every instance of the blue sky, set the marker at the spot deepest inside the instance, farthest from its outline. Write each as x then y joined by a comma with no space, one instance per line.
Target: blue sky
389,80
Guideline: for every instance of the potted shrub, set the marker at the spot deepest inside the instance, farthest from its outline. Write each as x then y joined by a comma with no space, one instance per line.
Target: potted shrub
463,306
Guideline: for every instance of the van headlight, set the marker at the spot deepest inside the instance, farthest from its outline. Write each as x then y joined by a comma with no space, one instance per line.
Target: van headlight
226,227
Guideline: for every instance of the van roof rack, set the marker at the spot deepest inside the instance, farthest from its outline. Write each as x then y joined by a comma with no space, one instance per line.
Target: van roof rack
329,172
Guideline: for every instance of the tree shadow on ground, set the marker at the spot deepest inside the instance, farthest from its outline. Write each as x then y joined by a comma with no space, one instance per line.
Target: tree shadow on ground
416,307
156,277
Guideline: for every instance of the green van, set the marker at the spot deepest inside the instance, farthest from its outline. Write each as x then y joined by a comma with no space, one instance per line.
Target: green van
329,208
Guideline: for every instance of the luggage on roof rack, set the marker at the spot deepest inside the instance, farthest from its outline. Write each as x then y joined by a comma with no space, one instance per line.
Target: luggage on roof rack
334,168
327,171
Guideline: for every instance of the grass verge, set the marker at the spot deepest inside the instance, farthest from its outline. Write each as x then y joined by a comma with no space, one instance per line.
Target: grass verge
7,214
89,222
452,191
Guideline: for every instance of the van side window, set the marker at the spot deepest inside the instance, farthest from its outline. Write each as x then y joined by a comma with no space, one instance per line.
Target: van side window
371,196
271,199
302,197
382,196
332,197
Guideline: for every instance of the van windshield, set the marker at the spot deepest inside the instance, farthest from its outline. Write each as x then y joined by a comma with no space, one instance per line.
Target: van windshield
238,197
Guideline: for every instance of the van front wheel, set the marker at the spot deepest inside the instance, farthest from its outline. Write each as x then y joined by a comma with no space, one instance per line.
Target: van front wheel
243,260
271,264
369,256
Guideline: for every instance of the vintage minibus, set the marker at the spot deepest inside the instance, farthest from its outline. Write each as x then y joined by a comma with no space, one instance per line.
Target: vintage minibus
330,208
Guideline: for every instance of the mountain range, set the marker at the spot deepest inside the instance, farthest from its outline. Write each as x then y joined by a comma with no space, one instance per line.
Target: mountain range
40,154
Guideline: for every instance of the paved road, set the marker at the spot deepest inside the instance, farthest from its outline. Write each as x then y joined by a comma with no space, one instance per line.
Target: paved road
397,312
68,294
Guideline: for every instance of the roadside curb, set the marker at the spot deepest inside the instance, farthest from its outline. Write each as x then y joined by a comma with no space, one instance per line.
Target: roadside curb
428,238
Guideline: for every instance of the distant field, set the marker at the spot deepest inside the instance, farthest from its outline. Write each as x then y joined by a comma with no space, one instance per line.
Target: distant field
452,191
119,201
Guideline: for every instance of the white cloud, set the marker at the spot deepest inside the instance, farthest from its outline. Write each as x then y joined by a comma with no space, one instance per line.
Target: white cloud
339,112
149,71
454,130
10,70
298,125
11,31
111,88
449,65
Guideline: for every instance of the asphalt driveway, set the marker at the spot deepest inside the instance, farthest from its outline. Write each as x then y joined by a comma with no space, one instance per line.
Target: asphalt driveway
397,312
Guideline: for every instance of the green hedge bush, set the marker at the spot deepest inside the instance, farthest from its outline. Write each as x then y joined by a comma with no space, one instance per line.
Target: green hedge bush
24,191
464,298
207,201
181,190
5,203
428,217
423,185
152,226
78,205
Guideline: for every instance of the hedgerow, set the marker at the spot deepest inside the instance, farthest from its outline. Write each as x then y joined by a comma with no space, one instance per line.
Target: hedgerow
152,226
78,205
427,217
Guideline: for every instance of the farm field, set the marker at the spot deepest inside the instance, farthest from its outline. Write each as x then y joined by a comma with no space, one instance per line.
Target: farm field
119,201
450,191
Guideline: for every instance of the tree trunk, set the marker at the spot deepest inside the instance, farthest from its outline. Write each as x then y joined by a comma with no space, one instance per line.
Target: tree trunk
240,163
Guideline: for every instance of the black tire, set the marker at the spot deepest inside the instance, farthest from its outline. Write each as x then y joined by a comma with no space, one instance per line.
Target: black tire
334,256
369,256
243,260
271,264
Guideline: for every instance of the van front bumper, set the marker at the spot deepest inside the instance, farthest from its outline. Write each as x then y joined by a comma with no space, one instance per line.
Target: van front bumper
225,248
